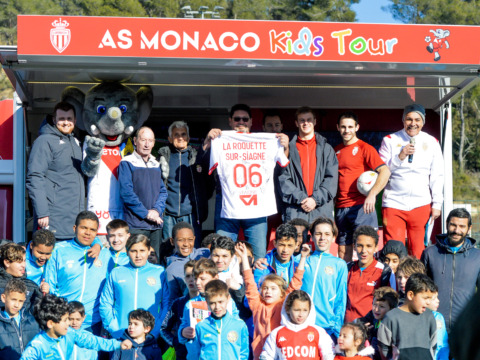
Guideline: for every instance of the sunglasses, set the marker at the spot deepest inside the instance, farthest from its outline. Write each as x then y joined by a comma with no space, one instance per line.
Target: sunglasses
239,118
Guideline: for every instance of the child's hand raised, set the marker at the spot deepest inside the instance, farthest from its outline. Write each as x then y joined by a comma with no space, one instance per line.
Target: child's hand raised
126,345
305,251
44,287
241,251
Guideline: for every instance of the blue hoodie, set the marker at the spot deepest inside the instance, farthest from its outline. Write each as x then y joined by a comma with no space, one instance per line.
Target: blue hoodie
325,280
44,347
129,288
259,274
225,338
70,273
231,308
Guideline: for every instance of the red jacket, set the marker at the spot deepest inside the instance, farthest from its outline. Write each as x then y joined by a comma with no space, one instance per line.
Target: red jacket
362,284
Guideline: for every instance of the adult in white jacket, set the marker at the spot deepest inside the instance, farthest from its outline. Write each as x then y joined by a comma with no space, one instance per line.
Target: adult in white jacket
414,193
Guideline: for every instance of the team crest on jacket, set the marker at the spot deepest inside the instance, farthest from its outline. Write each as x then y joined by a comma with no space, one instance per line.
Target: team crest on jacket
311,336
98,263
329,270
355,151
151,281
232,336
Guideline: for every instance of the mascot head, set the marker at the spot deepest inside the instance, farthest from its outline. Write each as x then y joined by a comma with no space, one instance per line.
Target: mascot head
110,111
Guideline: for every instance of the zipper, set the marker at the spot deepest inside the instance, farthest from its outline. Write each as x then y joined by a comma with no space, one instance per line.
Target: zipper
315,277
60,350
451,292
70,138
179,182
84,274
219,337
18,333
136,289
195,195
74,352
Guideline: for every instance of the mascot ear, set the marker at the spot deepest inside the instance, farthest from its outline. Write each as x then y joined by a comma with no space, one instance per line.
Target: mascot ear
76,97
145,102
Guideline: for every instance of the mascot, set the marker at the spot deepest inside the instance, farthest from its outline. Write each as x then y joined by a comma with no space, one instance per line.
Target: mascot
110,112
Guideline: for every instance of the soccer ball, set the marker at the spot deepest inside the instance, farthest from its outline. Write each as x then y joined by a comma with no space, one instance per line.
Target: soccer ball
366,181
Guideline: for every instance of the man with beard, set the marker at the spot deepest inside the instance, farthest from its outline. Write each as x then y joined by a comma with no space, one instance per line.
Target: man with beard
453,263
414,193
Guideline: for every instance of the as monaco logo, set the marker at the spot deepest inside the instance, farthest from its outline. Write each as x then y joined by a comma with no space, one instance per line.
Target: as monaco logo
311,336
60,35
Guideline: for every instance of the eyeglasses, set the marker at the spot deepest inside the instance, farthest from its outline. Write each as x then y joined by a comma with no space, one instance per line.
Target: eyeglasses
239,118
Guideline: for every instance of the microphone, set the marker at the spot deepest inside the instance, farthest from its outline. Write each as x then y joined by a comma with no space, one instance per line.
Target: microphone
410,157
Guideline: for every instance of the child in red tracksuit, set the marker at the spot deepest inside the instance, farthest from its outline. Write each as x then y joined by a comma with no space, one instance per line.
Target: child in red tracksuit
351,343
298,338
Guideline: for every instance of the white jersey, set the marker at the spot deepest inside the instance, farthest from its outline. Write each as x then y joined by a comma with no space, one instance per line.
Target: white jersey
245,164
103,197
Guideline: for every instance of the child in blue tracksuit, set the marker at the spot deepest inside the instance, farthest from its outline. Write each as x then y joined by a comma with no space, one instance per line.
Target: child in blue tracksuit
72,274
442,351
57,340
204,271
76,315
117,236
38,252
325,278
221,335
136,285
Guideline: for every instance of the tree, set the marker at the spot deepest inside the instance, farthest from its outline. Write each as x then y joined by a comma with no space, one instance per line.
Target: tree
458,12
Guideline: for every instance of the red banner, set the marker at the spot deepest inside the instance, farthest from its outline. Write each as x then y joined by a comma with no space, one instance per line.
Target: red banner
246,39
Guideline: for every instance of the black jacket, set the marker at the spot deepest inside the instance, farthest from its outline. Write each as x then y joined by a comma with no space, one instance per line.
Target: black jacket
55,181
148,350
14,339
457,275
33,291
293,188
194,174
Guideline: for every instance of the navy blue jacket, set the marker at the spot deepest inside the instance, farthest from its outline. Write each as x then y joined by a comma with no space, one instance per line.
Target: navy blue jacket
170,326
55,180
14,339
148,350
141,189
457,275
184,178
33,291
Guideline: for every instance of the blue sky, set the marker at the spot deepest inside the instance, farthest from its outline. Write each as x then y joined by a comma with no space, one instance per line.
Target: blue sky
370,11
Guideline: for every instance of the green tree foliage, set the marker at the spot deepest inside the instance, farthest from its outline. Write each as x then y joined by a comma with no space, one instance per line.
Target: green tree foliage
458,12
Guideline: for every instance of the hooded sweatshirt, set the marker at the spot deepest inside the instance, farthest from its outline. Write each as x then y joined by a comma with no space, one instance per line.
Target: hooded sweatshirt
55,180
292,341
393,247
457,275
266,317
148,350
